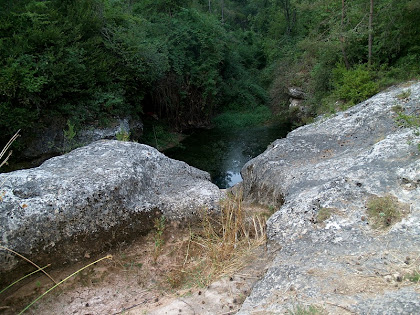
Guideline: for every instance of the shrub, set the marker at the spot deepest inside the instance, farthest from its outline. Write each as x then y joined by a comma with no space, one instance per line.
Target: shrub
123,135
354,85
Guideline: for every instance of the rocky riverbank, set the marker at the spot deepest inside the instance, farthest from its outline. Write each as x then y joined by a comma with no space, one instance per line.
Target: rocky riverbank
327,179
344,238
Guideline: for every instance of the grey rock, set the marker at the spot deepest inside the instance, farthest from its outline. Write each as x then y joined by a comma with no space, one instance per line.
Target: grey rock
296,104
296,92
95,197
339,162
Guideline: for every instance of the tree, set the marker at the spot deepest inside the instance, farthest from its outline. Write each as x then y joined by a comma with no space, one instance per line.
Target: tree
370,33
342,37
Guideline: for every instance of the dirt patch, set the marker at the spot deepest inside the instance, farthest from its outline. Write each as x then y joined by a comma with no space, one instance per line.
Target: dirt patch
165,272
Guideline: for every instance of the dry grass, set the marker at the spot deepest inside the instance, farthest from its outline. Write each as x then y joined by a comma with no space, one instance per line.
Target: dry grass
220,245
385,211
3,157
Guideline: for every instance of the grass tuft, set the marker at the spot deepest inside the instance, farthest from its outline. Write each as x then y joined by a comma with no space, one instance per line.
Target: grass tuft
413,277
221,244
306,310
324,214
404,95
384,211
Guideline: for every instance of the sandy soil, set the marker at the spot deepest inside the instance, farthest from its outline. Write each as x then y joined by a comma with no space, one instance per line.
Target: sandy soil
141,280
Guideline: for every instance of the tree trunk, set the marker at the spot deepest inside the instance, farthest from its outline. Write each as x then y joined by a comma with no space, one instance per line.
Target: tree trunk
342,38
370,33
209,6
288,15
223,11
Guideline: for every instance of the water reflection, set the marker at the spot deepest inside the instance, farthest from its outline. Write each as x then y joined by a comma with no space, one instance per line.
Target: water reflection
223,153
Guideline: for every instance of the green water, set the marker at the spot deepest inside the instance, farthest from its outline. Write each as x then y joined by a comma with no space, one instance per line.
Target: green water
223,153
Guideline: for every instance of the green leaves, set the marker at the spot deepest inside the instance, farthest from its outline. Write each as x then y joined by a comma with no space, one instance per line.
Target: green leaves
354,85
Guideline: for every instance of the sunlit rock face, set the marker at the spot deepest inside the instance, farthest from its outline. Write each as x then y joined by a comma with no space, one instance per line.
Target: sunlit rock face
94,197
339,163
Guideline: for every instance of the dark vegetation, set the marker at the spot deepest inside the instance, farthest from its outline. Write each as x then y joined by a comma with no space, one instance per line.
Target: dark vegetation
87,61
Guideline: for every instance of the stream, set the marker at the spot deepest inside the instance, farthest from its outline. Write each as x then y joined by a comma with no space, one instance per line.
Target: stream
223,153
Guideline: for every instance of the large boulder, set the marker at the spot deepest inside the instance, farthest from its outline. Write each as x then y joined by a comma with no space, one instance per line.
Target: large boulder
321,179
88,200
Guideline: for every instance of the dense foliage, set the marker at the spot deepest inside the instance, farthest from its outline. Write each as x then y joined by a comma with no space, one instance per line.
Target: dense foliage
91,60
337,50
87,61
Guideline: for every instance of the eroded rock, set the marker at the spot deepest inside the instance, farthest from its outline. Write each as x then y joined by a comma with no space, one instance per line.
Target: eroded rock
94,197
339,163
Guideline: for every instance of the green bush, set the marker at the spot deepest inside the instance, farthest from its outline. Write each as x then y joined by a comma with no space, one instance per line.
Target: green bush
354,85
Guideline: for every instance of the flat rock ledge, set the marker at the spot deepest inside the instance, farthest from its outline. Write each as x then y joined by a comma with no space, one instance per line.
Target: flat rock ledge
93,198
341,264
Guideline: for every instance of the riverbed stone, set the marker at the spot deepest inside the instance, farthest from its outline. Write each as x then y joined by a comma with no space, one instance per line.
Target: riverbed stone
337,165
95,197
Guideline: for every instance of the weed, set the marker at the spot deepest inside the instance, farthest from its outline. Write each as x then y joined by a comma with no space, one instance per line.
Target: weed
408,121
28,260
28,275
271,210
397,109
6,147
158,237
323,214
403,95
413,277
62,281
306,310
384,211
123,135
69,137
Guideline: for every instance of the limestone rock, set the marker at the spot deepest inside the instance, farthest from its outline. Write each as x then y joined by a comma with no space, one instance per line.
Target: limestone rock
94,197
339,163
296,92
